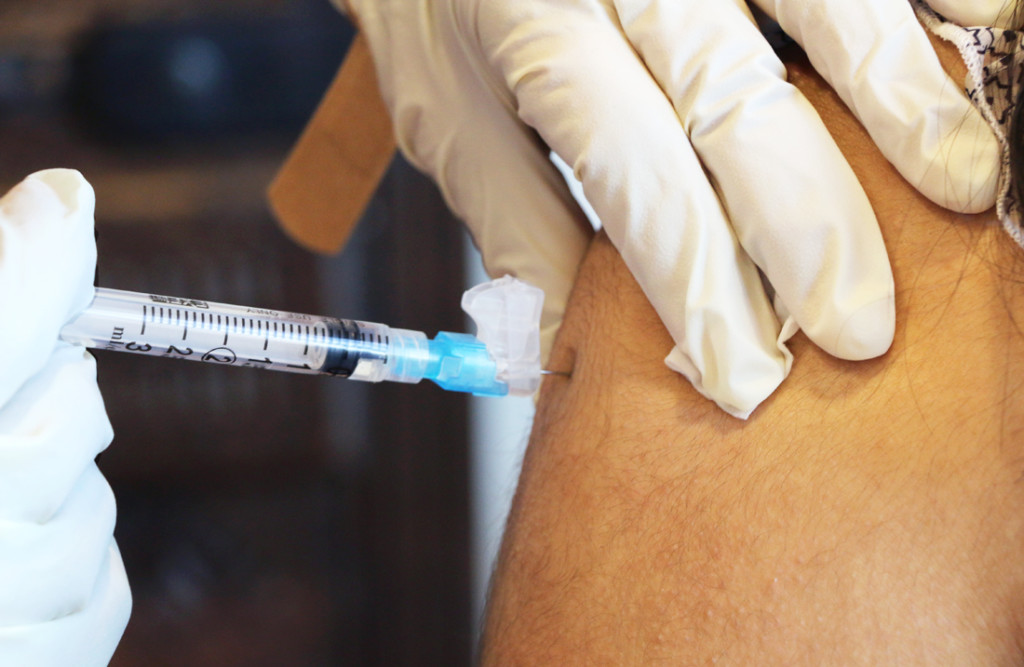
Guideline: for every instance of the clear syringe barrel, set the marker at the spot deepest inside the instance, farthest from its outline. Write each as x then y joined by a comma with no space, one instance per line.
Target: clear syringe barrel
250,337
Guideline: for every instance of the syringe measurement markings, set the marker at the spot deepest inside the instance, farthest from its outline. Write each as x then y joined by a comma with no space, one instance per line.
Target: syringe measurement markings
143,332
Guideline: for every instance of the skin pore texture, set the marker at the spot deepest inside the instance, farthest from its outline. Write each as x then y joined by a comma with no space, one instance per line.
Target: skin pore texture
867,513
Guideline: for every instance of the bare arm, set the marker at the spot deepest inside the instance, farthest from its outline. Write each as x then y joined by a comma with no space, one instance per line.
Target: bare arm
868,513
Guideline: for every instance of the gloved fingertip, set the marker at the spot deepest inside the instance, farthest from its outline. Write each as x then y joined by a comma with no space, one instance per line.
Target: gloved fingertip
972,206
737,391
972,191
995,13
868,332
964,175
72,190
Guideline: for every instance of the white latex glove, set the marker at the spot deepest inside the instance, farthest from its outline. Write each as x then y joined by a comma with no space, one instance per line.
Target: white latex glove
676,117
64,597
994,13
877,57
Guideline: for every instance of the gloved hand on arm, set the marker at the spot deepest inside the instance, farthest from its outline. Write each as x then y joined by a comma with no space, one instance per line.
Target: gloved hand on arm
64,597
701,162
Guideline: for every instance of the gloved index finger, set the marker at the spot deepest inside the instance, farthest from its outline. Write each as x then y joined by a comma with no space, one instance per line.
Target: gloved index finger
792,199
579,83
47,264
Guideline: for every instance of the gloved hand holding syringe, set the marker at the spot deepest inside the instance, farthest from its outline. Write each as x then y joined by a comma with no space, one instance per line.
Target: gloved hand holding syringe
503,360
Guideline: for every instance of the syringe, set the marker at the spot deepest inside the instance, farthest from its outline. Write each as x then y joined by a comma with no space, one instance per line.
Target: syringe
259,338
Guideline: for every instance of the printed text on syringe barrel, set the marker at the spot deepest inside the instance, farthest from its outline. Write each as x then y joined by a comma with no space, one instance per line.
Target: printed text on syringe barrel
242,336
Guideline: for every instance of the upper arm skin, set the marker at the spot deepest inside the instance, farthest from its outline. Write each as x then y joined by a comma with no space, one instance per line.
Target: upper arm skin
868,513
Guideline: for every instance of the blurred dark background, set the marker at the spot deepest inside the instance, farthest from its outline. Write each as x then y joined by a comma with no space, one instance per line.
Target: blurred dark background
264,519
